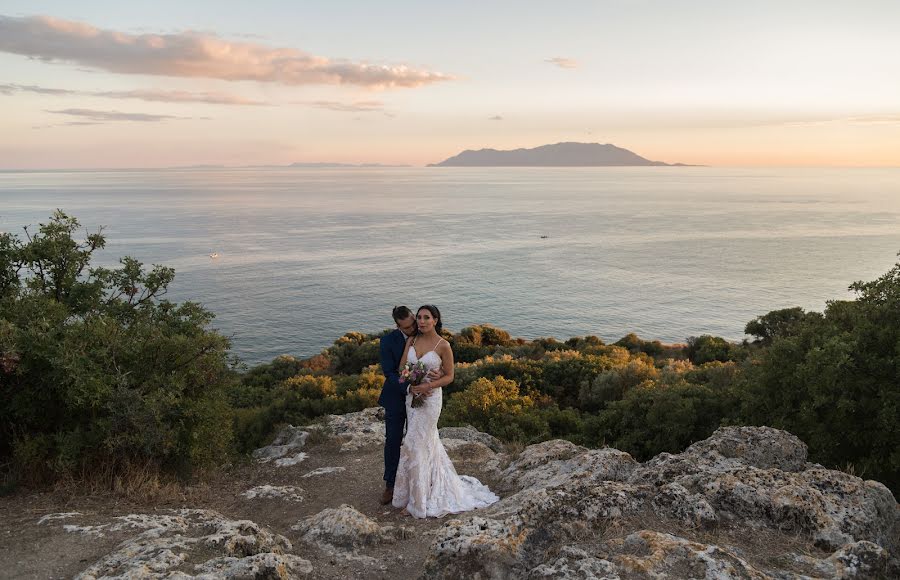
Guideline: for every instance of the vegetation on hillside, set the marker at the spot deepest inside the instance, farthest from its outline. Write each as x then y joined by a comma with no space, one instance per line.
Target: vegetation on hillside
96,367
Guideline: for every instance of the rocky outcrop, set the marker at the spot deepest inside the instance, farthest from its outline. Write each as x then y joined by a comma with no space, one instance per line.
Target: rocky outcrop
285,449
171,545
286,492
471,435
744,503
343,532
565,500
355,430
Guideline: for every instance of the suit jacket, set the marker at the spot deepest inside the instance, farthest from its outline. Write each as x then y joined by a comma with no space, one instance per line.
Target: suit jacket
393,392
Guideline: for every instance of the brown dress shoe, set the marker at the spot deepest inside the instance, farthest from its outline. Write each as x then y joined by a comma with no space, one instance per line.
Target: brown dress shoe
387,496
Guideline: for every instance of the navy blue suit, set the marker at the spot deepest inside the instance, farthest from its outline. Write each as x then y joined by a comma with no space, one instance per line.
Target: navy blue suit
393,399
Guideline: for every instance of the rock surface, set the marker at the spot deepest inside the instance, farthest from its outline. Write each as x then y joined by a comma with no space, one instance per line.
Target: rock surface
289,441
740,482
179,545
355,430
287,492
744,503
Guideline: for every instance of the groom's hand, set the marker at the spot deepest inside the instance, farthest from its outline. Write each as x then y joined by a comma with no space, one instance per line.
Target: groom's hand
435,374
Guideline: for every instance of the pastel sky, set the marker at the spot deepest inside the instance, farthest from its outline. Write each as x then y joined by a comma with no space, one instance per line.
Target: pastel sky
163,83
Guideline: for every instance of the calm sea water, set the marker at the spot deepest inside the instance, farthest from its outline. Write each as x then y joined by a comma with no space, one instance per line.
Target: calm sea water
308,254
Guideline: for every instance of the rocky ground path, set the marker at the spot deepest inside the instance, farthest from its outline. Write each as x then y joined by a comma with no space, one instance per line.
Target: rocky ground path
744,503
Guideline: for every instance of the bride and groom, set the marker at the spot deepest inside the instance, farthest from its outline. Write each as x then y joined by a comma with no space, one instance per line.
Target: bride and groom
418,474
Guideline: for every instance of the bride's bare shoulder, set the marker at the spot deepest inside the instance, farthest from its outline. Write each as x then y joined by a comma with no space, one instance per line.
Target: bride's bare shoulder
443,346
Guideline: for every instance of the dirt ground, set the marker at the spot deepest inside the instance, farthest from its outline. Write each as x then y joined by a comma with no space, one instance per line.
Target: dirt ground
35,551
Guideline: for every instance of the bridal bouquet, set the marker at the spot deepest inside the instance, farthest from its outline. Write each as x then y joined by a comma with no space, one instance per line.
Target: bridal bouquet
414,374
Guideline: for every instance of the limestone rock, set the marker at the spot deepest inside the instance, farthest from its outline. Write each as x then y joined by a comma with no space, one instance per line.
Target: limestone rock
473,452
575,564
289,441
477,548
266,566
323,471
553,465
859,560
287,492
679,504
470,433
742,479
762,447
169,541
291,459
735,472
355,430
584,502
649,554
344,527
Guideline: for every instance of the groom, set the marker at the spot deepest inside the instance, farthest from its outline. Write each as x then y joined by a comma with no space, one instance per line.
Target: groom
393,394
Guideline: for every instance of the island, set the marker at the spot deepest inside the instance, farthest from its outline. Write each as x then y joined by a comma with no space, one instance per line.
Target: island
556,155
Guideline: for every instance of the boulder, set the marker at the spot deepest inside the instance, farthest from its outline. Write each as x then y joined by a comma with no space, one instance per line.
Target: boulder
650,554
289,441
355,430
477,548
469,433
345,528
227,548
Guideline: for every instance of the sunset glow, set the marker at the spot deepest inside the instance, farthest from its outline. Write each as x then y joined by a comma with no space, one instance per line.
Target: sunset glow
762,84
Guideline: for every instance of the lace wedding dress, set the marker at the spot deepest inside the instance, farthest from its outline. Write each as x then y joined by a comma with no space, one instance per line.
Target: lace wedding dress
427,484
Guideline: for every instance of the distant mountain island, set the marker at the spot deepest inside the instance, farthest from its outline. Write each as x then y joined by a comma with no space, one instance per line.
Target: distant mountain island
558,155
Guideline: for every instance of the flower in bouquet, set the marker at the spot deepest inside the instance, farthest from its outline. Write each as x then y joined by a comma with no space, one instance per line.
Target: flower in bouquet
414,374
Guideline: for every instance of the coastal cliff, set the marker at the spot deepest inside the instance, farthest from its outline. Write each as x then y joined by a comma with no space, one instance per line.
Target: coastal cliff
743,503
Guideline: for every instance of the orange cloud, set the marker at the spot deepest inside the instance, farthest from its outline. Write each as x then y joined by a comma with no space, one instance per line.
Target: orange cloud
562,62
193,54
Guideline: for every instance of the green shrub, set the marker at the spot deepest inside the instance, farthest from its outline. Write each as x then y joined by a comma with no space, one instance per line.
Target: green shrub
96,368
833,379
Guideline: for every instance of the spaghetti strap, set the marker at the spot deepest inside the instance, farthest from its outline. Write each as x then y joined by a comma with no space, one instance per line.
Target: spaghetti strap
439,344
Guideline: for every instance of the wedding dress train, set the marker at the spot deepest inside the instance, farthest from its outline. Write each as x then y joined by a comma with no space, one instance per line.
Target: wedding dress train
427,484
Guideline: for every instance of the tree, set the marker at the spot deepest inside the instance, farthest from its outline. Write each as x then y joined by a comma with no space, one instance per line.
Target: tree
776,323
96,367
834,381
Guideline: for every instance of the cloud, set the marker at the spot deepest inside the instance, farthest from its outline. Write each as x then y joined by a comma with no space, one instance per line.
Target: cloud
9,89
495,118
355,107
107,116
562,62
854,120
179,97
193,54
141,94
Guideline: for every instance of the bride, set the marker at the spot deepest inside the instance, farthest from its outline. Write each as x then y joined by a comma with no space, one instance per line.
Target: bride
427,484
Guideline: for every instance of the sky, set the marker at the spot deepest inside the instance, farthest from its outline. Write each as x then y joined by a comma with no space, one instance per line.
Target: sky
164,83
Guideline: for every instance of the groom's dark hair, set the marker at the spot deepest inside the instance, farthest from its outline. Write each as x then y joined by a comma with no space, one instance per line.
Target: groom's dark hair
401,313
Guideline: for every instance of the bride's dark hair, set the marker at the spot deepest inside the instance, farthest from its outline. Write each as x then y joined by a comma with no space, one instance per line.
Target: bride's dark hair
436,314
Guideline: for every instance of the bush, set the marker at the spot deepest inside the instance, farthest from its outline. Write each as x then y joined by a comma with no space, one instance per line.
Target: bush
635,344
497,407
832,380
96,368
706,348
353,352
652,419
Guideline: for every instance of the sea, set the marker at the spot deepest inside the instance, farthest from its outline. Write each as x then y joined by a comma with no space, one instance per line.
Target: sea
304,255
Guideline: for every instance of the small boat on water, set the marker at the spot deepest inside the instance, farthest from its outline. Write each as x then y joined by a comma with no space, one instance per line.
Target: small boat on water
214,255
544,237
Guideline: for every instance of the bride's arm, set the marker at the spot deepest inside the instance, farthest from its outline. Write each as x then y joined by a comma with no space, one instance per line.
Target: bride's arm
446,354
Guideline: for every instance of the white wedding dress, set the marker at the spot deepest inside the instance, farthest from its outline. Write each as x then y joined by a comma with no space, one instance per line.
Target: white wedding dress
427,484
